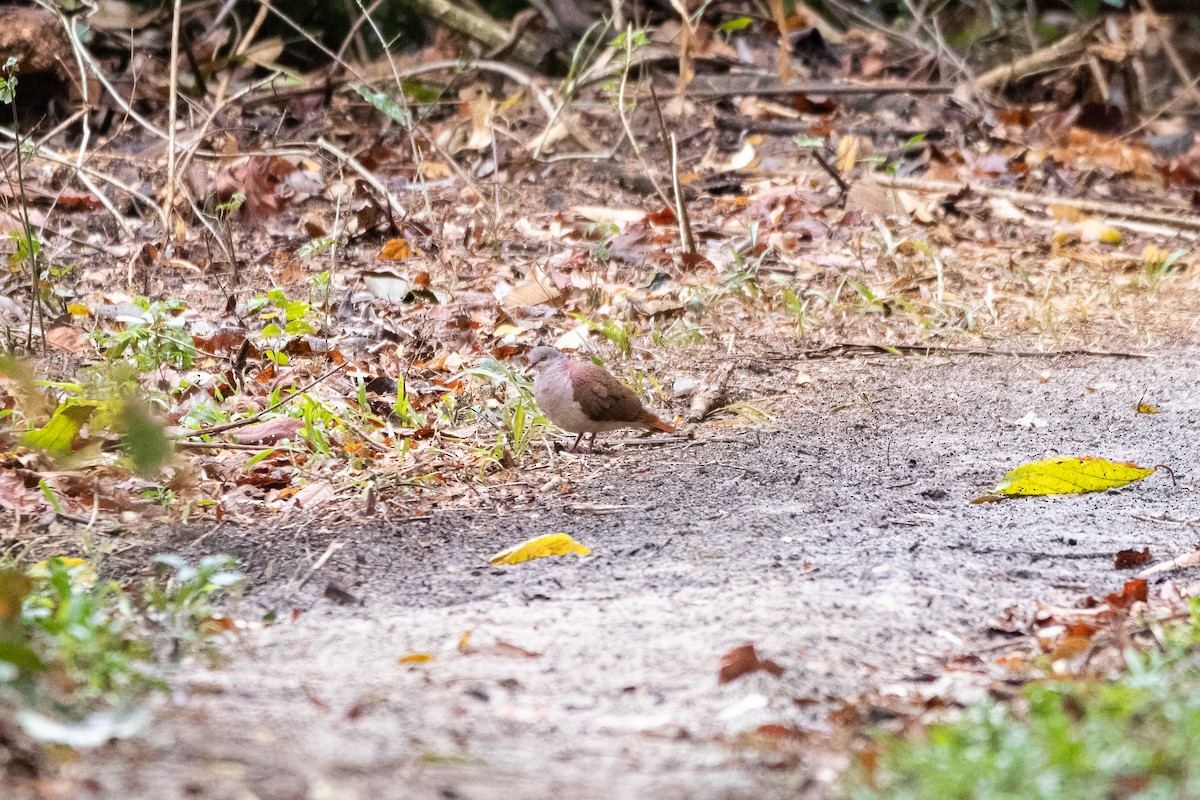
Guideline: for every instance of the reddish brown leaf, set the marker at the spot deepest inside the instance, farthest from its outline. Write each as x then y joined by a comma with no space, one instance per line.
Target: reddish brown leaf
65,337
1128,559
15,496
269,432
1133,591
664,216
743,660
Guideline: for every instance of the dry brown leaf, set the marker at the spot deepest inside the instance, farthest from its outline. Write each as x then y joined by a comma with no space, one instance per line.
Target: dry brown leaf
269,432
743,660
65,337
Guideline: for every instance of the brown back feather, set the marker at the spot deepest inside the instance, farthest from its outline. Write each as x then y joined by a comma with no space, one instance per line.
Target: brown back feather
605,399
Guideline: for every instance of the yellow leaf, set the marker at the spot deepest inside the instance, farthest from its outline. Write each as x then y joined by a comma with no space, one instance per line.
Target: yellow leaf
415,658
395,250
552,544
78,310
1094,230
1069,476
80,569
1145,408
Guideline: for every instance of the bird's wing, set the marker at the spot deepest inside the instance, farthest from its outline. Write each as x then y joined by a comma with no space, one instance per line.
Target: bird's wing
603,398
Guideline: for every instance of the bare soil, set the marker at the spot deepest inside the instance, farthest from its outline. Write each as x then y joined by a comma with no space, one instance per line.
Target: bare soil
840,540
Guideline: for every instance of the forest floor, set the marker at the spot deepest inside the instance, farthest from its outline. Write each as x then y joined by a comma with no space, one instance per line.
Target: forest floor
297,338
839,540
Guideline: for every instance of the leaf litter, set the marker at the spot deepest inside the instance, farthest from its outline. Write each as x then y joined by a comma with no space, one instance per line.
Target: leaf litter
371,350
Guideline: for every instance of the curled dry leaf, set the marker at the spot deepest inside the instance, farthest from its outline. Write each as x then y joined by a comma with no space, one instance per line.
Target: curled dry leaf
552,544
415,658
1128,559
743,660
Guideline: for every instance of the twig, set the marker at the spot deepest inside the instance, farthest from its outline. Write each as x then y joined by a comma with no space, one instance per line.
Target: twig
393,205
820,88
637,152
681,215
1053,56
1144,212
329,551
172,117
1170,51
478,27
843,187
55,158
652,441
681,212
713,395
241,423
410,123
849,350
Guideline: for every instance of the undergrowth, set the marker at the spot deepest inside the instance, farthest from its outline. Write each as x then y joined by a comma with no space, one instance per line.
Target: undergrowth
79,655
1133,736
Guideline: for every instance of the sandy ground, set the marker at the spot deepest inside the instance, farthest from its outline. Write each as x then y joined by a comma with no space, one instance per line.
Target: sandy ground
840,540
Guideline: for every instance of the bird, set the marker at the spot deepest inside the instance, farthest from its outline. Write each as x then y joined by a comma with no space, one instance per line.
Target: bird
585,398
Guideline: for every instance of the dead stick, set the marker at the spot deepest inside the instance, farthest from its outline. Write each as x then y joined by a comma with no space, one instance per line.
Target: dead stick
856,350
1140,213
822,88
712,395
681,215
241,423
833,173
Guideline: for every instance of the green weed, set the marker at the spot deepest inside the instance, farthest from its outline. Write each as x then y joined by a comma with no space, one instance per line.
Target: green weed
76,650
1137,735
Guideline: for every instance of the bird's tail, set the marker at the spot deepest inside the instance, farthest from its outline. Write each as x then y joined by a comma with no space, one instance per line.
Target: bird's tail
654,423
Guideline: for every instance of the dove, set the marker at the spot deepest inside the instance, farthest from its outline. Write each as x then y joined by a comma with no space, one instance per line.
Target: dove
585,398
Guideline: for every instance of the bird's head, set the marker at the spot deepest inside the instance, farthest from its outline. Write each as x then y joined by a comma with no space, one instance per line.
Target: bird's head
542,357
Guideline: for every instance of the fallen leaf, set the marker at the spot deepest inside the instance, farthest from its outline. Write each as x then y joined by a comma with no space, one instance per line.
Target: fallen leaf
1134,591
15,496
1068,476
1070,647
415,658
64,337
270,432
1128,559
552,544
743,660
1187,560
532,292
395,250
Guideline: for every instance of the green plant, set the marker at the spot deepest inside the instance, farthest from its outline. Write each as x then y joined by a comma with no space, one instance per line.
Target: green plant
285,318
620,334
1157,264
511,408
28,245
153,334
79,651
181,601
1135,735
795,306
680,332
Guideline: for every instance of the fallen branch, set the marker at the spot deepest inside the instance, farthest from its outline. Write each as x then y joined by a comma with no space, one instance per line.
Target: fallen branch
849,350
483,29
1116,214
241,423
712,396
1054,56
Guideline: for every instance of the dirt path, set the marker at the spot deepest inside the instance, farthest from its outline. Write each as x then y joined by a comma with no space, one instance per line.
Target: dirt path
841,542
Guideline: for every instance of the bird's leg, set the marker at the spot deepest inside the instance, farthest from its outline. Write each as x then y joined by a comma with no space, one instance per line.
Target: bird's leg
592,443
575,447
